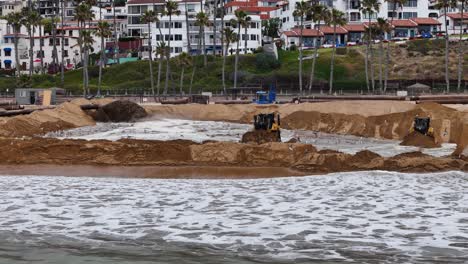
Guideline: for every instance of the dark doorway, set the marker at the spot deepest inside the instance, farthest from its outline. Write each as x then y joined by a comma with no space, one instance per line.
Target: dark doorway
32,97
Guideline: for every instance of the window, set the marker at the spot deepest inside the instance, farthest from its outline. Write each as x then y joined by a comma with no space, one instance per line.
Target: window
166,25
40,54
65,42
158,37
176,50
177,24
407,15
253,25
134,20
7,53
7,65
6,40
65,53
70,13
253,37
23,94
190,8
70,33
411,3
178,37
244,36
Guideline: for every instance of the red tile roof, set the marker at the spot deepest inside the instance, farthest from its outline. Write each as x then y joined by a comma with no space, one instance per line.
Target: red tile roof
457,15
403,23
257,8
137,2
355,27
329,30
240,3
425,21
306,32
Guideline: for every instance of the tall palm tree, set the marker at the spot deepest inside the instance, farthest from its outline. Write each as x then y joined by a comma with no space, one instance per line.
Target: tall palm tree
54,36
42,24
382,27
87,41
301,10
319,13
369,8
229,37
116,41
30,19
171,8
183,61
222,11
15,19
150,17
62,45
240,19
103,31
202,21
189,46
444,5
246,24
215,16
161,51
82,14
395,4
461,53
337,18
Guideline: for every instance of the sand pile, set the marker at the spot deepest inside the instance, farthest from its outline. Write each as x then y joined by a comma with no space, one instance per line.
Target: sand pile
65,116
419,140
119,111
260,137
297,157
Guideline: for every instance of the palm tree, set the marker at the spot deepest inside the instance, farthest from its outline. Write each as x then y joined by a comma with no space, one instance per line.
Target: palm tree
444,5
171,8
82,14
240,19
382,27
103,31
215,15
162,52
319,13
183,61
461,53
14,19
202,21
42,24
62,46
189,46
222,45
395,4
229,37
301,10
369,8
150,17
30,19
116,41
246,24
87,41
337,18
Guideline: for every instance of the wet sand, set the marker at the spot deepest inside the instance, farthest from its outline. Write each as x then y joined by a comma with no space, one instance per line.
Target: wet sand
155,172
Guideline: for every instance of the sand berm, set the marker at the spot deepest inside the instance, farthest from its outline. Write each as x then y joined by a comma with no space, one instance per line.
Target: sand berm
20,144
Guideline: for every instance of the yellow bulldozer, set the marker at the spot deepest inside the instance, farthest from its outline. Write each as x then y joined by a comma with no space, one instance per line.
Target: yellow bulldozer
423,126
267,128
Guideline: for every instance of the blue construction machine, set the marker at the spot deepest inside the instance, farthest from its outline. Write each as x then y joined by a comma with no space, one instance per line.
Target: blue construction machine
266,96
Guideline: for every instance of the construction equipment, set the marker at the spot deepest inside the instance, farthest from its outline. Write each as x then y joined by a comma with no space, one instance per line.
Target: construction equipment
266,129
266,97
423,126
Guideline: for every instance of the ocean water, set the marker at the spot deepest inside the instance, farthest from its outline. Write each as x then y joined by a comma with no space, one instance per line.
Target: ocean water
199,131
356,217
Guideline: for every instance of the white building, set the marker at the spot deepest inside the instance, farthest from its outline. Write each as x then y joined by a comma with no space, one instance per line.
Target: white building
454,22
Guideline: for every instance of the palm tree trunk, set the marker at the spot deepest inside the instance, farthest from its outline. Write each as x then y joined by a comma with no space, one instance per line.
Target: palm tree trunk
236,62
371,65
189,46
18,63
101,62
116,43
366,62
447,78
54,37
62,67
150,61
387,60
31,50
300,55
181,80
41,50
460,50
86,58
214,26
314,60
224,66
168,67
199,43
332,60
381,66
205,62
159,72
82,55
222,48
245,40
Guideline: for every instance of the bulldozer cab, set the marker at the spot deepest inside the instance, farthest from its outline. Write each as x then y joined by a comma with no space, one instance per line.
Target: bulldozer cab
422,125
267,121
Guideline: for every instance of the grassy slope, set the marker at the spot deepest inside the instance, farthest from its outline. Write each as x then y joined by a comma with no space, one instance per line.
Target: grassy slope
349,70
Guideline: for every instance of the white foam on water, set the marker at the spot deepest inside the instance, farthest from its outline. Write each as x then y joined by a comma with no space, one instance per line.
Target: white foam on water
375,212
199,131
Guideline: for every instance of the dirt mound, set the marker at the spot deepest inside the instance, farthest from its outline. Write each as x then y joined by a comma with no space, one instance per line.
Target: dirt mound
119,111
260,137
65,116
419,140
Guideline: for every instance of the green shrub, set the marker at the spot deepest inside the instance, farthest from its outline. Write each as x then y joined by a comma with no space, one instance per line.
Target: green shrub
292,47
423,46
266,62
